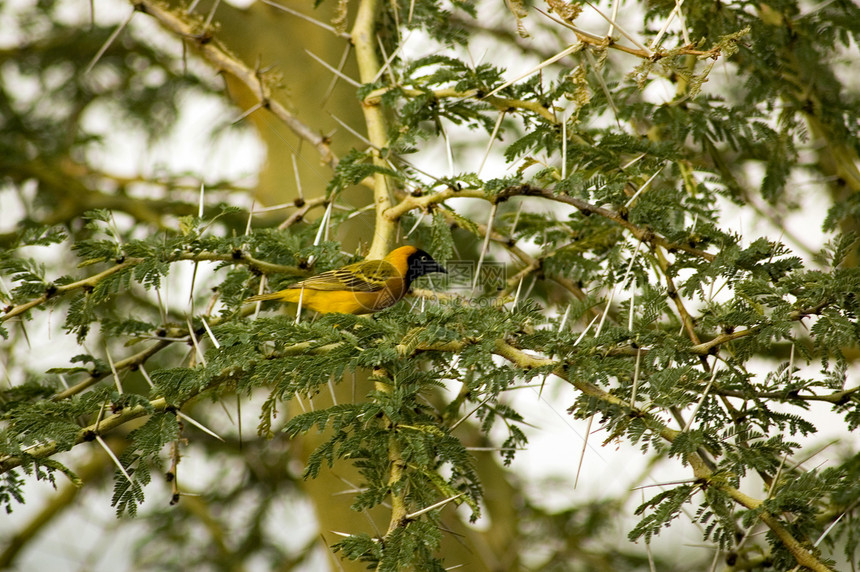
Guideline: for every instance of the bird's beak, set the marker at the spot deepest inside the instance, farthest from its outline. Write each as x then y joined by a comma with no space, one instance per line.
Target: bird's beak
436,267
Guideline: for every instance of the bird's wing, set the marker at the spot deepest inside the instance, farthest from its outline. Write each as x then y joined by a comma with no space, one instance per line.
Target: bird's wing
367,276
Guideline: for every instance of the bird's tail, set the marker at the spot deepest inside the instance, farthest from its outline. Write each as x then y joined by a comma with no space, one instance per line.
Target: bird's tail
264,297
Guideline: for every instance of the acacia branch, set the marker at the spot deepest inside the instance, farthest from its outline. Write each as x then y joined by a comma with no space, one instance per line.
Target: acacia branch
410,202
182,26
364,39
642,233
672,292
595,40
241,257
836,398
237,257
54,291
85,434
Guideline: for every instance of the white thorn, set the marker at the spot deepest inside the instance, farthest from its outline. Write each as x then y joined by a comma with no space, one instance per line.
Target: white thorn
194,341
537,68
298,178
432,507
702,399
582,453
250,217
417,222
314,21
643,187
491,142
247,112
564,318
113,457
486,244
635,378
113,369
333,69
605,312
146,375
108,43
517,295
299,309
209,331
199,425
331,390
585,331
467,415
202,196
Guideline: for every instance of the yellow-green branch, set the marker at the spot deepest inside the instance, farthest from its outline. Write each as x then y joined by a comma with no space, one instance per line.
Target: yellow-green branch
364,40
237,257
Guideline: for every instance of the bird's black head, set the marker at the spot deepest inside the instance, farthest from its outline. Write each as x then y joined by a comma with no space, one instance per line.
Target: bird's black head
420,263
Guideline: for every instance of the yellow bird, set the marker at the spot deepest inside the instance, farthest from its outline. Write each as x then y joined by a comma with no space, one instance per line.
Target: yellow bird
360,288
